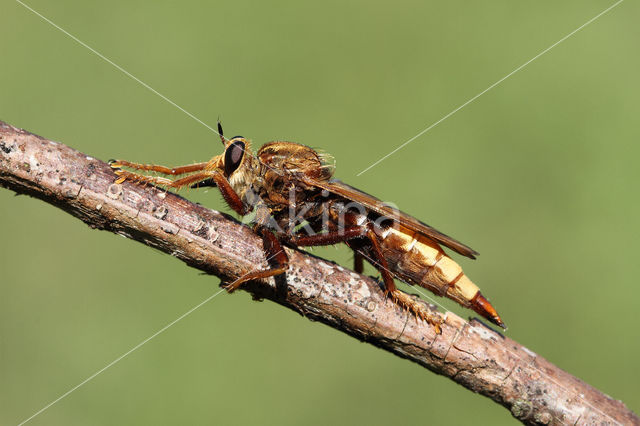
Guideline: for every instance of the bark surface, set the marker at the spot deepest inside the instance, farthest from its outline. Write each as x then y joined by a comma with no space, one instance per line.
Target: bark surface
473,355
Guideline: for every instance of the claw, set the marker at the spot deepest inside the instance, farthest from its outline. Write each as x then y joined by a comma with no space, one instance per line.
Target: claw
230,287
418,310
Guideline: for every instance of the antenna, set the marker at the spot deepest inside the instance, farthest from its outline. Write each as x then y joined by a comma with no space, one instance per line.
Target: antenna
221,133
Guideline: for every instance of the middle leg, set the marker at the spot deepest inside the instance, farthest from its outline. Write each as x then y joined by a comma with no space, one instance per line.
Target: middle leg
275,255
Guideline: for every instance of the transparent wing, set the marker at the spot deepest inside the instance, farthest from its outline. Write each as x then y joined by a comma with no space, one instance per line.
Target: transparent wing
372,203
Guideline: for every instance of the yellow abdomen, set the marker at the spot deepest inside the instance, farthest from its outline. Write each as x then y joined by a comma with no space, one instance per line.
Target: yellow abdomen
419,260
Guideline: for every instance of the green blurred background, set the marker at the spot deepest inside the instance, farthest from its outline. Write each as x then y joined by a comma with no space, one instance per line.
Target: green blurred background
540,175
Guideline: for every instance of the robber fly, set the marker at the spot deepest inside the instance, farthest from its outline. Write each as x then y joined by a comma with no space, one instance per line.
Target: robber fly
289,188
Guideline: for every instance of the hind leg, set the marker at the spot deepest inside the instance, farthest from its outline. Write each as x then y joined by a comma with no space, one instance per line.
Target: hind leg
379,261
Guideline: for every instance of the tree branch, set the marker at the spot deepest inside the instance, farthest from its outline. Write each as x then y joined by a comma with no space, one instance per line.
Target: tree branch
478,358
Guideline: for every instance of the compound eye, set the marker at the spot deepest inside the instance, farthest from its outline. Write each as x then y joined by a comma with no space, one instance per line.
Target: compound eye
233,157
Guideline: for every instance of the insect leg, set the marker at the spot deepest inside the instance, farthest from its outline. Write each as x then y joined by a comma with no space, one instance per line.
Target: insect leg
399,297
381,261
190,168
358,264
329,238
229,195
378,260
155,180
275,255
344,235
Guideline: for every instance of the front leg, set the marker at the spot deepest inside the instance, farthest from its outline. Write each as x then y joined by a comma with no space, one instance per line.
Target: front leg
124,175
232,199
181,170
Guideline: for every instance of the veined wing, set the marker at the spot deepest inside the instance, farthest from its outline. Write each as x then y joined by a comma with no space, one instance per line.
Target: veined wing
372,203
